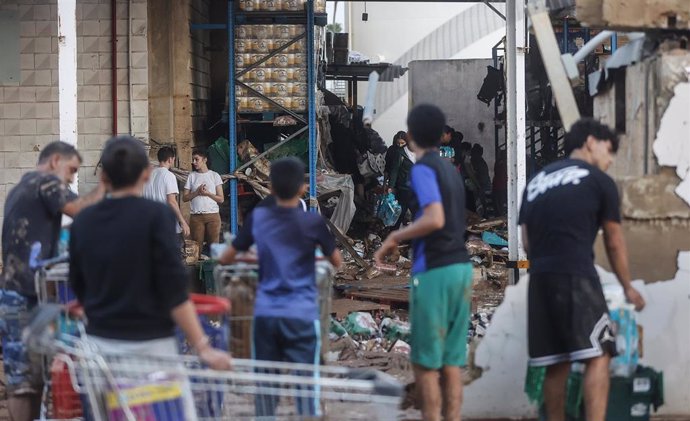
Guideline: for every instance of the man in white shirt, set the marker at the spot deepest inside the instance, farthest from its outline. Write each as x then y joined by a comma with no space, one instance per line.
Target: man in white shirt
204,188
162,187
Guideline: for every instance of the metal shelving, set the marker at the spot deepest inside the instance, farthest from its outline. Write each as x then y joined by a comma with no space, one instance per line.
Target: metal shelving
307,117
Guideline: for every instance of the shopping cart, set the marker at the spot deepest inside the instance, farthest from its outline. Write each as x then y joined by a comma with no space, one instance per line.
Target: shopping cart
238,282
122,387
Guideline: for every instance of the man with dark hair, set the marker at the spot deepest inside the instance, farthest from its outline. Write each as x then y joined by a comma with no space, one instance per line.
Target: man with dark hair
563,208
204,188
286,312
134,285
33,214
162,187
441,283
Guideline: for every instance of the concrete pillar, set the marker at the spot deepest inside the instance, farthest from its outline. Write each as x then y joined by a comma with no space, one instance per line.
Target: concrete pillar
67,73
170,76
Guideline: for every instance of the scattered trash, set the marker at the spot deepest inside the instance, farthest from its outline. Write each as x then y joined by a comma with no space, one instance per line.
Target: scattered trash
401,347
493,239
393,329
360,325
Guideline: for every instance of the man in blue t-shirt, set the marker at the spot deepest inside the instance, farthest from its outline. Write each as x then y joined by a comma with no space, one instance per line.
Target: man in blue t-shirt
441,283
286,311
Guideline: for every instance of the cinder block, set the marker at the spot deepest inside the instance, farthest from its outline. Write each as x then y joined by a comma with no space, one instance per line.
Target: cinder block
90,12
81,110
27,45
10,143
28,78
46,28
105,92
12,160
140,92
140,108
43,94
91,77
27,127
122,59
138,26
91,28
45,127
10,94
104,11
140,76
140,126
46,61
10,111
123,108
105,109
90,93
11,127
30,143
139,11
104,44
91,125
104,28
88,61
12,175
56,110
26,12
92,110
42,78
43,12
27,110
139,44
27,94
54,44
44,110
104,61
27,28
140,60
91,44
28,159
43,45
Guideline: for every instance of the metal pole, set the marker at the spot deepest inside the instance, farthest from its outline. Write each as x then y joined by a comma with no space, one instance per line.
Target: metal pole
67,74
515,102
232,117
311,105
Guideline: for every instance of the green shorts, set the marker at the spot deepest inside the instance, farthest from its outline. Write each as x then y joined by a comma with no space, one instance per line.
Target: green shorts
440,302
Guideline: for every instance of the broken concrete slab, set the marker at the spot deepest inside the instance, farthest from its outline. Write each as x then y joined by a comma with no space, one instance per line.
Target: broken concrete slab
634,14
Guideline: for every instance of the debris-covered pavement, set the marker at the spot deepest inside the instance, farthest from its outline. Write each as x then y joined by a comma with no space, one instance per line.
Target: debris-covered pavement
370,326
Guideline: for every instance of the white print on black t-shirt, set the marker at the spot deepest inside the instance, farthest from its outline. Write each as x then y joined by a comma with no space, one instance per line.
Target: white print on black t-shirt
542,181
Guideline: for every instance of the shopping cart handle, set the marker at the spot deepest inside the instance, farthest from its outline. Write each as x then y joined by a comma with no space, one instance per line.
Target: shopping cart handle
209,304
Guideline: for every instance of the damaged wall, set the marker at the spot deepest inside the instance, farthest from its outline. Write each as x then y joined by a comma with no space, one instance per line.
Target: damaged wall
503,352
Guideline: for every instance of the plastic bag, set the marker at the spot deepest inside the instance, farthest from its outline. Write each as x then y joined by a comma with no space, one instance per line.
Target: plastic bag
393,329
388,209
360,325
627,339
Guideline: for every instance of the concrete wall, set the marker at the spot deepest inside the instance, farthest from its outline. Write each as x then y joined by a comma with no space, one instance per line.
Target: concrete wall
29,115
453,85
403,32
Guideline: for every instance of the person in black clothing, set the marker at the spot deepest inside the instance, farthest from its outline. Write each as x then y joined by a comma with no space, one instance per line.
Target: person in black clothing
563,208
481,172
125,267
392,153
399,181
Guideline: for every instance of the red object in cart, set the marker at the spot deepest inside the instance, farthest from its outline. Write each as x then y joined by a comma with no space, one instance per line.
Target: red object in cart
66,401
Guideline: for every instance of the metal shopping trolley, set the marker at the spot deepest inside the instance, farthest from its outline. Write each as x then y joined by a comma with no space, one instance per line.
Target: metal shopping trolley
238,282
121,387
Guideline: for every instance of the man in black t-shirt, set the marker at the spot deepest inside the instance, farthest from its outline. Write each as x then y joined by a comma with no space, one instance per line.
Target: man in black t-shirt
33,214
125,266
563,208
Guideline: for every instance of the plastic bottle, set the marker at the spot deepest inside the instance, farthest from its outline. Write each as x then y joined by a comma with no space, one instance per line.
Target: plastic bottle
63,242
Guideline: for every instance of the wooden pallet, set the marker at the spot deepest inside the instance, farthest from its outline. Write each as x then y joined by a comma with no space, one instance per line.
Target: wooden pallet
344,306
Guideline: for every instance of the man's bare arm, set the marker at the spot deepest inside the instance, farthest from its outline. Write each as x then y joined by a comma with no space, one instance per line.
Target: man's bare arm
72,208
617,253
525,238
172,201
